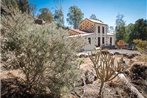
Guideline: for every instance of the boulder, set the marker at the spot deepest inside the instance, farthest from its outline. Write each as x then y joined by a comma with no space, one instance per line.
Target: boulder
130,56
117,53
87,76
138,76
39,21
90,77
88,73
138,71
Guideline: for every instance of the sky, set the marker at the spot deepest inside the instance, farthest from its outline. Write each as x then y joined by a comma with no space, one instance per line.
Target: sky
105,10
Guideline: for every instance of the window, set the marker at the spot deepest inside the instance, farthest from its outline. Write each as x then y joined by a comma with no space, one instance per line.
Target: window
103,29
98,29
99,41
89,40
110,40
103,40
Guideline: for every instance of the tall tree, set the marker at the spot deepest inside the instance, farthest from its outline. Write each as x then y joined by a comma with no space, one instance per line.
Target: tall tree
74,15
129,30
137,30
46,15
140,29
111,29
93,16
59,17
120,27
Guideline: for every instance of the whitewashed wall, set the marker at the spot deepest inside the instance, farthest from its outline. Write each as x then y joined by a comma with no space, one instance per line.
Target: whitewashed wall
94,37
101,34
87,45
108,39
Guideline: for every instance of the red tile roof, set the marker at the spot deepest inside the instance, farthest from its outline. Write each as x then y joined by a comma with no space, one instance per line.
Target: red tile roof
94,21
78,31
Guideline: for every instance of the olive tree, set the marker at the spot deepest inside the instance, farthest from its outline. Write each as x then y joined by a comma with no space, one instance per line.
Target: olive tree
45,55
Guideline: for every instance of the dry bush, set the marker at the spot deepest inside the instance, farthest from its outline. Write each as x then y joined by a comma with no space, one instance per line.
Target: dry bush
142,58
121,44
141,45
44,54
105,68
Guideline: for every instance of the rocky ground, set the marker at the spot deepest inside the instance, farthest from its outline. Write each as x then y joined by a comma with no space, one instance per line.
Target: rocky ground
88,87
135,75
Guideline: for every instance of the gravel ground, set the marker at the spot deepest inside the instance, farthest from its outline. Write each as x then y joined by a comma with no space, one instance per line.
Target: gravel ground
124,51
121,51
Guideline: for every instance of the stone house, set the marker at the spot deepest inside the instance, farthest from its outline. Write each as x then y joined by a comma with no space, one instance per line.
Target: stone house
95,34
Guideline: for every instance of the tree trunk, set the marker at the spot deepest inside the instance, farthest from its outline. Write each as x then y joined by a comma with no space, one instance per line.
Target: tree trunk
101,88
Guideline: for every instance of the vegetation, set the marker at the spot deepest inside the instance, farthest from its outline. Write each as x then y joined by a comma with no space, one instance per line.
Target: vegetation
22,5
74,15
42,53
141,45
120,28
93,16
138,30
59,17
105,68
46,15
121,44
131,31
142,58
47,57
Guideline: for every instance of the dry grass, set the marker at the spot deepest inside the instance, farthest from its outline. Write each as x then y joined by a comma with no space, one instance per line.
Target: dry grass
142,58
11,74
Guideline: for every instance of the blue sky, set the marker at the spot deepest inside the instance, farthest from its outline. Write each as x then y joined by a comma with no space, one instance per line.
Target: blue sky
105,10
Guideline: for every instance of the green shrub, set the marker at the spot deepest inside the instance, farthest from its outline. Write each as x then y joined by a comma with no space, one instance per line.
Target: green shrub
45,55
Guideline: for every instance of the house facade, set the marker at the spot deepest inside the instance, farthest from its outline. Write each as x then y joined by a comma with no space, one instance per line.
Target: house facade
94,33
